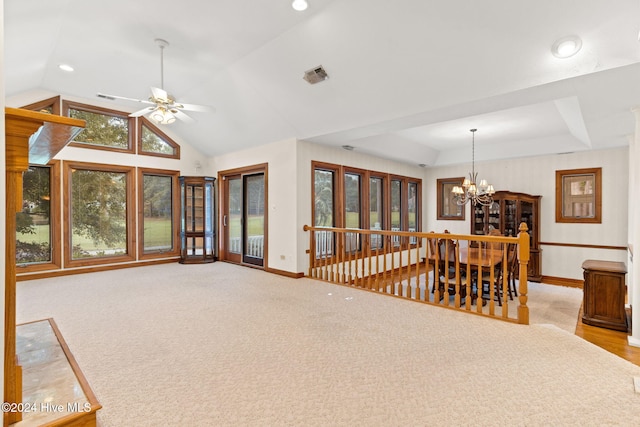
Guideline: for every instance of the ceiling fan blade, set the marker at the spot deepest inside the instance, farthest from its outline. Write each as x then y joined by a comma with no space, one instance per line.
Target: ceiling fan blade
182,116
114,97
142,112
160,94
194,107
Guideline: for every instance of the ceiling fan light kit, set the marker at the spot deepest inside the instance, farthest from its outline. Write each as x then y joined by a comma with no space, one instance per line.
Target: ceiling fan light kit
163,107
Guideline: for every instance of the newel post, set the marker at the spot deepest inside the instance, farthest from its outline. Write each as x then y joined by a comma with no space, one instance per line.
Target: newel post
310,251
524,240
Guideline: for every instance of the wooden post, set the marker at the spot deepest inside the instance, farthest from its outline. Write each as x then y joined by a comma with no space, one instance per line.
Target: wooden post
523,286
55,133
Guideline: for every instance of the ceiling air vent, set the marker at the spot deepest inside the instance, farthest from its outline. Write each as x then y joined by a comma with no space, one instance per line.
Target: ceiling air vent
315,75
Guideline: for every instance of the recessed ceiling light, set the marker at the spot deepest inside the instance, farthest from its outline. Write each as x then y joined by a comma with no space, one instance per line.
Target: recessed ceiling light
66,67
299,5
566,47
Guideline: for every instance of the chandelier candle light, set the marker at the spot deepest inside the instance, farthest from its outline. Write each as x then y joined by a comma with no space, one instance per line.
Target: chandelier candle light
481,194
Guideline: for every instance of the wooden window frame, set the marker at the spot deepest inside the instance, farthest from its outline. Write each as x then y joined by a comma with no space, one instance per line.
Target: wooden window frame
66,105
55,231
365,175
443,187
143,121
337,195
54,103
175,206
596,174
69,167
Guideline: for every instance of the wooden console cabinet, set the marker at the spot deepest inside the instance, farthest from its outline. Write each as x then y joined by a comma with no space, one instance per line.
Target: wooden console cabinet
604,294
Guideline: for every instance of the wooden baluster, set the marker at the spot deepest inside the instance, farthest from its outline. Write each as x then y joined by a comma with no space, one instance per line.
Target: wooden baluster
359,263
469,298
385,247
456,297
360,258
399,289
479,276
343,257
446,272
393,268
418,295
505,281
436,274
492,286
407,291
353,257
369,261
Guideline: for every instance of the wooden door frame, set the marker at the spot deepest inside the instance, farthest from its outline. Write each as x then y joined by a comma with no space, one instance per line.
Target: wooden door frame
222,207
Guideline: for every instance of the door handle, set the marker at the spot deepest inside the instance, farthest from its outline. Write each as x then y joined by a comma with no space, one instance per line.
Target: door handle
224,221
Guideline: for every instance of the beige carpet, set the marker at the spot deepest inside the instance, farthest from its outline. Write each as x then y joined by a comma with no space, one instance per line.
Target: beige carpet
218,344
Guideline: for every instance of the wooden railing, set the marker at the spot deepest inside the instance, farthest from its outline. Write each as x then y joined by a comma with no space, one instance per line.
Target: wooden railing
485,275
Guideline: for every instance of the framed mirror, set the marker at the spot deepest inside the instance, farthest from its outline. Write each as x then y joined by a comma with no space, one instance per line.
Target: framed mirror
579,195
446,205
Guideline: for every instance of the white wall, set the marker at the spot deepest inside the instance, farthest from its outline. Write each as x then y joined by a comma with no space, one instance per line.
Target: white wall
282,203
536,175
634,232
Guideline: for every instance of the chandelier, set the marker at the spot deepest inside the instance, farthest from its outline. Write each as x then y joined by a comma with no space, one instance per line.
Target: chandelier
477,194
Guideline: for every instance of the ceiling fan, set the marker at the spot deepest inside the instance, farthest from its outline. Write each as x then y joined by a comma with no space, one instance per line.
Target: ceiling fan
163,108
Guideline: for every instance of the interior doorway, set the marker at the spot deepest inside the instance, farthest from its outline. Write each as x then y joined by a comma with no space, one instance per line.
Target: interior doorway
243,215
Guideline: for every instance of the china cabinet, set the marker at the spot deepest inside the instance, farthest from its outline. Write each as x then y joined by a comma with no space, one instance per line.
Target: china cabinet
505,214
197,225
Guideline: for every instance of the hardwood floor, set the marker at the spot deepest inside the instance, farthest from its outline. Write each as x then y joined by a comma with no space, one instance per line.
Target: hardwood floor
613,341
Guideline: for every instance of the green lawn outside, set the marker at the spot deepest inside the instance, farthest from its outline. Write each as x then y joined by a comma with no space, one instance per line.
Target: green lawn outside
157,232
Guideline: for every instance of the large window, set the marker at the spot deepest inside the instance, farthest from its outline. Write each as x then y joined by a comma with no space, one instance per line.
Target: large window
158,213
363,192
38,224
352,200
105,129
97,209
324,190
99,213
324,215
376,209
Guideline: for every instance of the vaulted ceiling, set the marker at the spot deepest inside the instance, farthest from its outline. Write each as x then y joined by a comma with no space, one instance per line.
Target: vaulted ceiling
407,80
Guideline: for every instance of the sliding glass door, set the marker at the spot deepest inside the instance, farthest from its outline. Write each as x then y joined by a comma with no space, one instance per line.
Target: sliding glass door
244,216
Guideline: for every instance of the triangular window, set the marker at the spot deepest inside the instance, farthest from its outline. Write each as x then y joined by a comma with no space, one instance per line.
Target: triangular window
153,142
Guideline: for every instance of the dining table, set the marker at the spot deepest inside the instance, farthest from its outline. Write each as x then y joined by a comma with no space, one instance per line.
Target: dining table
484,258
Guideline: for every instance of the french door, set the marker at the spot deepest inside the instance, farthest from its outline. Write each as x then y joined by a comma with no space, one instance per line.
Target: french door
244,216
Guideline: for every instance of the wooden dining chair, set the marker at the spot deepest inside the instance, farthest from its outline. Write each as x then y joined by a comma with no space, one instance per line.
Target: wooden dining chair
513,269
512,273
450,272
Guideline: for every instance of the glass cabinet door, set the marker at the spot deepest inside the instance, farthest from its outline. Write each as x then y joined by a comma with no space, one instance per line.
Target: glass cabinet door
510,218
197,226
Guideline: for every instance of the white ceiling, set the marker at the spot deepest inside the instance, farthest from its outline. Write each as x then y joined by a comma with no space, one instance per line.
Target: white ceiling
407,79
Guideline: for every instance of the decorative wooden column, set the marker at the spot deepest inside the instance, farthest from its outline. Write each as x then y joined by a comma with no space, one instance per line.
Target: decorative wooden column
31,137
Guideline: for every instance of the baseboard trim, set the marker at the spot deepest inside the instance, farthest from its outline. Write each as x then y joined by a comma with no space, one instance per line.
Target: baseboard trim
563,281
82,270
284,273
